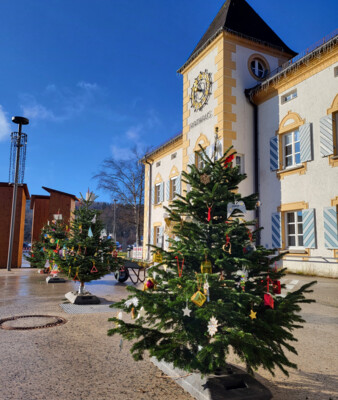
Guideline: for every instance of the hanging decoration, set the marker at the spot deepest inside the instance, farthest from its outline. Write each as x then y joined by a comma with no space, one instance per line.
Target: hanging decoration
252,314
76,276
94,220
133,312
157,257
94,269
90,232
237,205
268,299
142,313
180,267
205,178
206,289
228,160
133,301
209,214
149,284
198,298
206,266
276,287
212,326
186,311
227,246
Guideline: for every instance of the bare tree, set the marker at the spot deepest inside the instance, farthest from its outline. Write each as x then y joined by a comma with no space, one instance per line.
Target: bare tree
124,180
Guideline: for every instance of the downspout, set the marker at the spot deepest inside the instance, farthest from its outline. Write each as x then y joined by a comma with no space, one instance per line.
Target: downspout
149,206
256,160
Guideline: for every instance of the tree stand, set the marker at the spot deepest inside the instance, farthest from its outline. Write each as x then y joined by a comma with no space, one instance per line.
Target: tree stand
82,297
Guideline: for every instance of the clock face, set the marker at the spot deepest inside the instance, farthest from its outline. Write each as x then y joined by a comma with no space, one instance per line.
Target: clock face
201,90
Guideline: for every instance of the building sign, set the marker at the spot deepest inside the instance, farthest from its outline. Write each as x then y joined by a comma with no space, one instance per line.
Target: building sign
201,119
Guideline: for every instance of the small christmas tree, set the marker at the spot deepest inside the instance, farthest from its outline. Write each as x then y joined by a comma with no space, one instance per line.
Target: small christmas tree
87,255
214,289
36,256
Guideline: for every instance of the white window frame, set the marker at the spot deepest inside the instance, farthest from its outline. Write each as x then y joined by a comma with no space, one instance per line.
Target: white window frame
258,68
173,187
289,96
200,164
298,230
293,153
241,165
158,193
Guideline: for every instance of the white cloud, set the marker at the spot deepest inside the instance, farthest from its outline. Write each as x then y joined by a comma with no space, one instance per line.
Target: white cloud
5,128
87,85
121,153
133,132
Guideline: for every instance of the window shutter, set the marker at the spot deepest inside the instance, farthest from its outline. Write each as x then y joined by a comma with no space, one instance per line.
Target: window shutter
178,184
209,150
167,190
274,153
152,236
161,192
326,136
330,228
153,195
276,230
305,136
166,241
191,159
309,233
161,236
219,149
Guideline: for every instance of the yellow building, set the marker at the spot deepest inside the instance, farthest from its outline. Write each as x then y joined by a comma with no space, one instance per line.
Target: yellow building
244,87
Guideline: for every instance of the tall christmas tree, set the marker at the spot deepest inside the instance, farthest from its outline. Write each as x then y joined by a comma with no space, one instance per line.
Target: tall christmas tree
214,289
87,255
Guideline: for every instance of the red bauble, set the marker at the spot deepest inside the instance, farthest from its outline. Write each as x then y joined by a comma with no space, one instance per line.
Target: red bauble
150,284
276,287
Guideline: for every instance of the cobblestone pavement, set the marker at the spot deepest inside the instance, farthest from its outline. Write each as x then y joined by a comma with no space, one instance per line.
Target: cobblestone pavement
78,361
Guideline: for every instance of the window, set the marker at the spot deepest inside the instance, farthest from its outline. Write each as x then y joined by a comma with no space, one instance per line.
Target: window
173,156
291,149
158,193
199,162
335,127
335,72
158,164
294,229
157,236
258,66
289,96
239,162
173,187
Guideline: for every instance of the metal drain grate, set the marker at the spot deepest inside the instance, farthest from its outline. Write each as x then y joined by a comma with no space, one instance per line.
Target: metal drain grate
70,308
26,322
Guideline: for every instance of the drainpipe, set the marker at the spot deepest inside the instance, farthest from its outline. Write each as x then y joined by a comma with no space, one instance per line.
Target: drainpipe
149,206
256,159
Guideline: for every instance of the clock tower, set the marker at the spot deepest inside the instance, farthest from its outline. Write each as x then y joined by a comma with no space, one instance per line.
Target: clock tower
237,51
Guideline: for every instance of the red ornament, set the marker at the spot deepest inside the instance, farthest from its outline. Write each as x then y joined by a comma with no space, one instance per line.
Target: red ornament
228,160
227,238
250,235
180,268
209,214
268,300
114,253
94,269
150,284
276,287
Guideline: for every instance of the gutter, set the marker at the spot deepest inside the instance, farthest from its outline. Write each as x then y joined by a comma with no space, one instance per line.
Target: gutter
248,95
149,206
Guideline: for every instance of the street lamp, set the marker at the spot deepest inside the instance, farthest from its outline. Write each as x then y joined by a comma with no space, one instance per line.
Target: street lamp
114,221
19,141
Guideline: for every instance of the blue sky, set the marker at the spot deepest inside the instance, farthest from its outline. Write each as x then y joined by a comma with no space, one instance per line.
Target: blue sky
97,77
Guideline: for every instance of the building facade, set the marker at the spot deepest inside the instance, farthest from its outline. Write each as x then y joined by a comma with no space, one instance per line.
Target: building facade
244,87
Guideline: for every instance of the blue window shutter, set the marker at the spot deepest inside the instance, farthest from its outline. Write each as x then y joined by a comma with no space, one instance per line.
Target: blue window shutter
161,192
153,195
152,236
309,228
178,184
305,136
276,230
274,153
330,228
167,190
326,136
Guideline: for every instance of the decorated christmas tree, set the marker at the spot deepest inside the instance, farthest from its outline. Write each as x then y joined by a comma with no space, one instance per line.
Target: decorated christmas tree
87,254
214,290
52,237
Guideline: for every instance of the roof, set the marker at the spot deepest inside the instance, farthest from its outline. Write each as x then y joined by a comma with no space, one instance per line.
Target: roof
37,196
239,18
327,44
161,146
49,190
25,188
